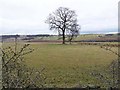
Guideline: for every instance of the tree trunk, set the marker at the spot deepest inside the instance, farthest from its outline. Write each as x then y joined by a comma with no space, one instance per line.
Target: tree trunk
70,40
63,37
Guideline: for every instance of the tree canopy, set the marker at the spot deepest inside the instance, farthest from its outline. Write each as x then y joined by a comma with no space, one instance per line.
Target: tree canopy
64,21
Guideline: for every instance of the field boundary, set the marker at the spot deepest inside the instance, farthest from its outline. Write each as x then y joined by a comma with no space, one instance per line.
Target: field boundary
100,44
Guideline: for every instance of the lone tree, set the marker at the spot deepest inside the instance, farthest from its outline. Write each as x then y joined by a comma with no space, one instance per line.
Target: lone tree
73,32
63,20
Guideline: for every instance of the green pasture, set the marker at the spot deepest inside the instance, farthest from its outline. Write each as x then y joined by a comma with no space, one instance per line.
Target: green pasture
80,37
69,65
88,36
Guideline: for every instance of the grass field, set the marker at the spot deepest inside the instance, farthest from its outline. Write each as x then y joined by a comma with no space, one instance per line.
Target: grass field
69,65
88,36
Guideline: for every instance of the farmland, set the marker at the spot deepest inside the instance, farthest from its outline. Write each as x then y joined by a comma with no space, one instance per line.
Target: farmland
69,65
59,44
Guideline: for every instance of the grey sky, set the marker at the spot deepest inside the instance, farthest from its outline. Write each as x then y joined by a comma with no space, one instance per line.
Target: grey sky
28,16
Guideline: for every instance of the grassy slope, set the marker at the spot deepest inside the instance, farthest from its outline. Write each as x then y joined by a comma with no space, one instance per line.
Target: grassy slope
68,65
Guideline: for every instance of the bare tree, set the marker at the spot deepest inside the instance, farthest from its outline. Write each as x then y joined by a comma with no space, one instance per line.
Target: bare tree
73,32
62,20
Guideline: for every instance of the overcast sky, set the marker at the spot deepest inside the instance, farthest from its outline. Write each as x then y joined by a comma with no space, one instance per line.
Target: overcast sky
28,16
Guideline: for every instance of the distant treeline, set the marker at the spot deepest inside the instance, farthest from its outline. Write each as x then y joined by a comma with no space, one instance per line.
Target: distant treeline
112,34
9,36
40,35
13,36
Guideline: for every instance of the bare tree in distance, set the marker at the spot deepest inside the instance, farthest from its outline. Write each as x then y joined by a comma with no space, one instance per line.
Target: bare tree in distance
62,20
73,32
